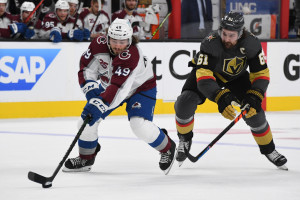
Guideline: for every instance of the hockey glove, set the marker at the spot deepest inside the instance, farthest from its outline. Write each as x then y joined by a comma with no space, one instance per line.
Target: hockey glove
17,28
224,98
75,34
95,107
92,90
254,98
29,33
86,34
55,35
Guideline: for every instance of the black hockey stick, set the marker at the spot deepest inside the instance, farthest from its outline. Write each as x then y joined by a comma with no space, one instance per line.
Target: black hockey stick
166,17
196,158
77,16
99,12
47,181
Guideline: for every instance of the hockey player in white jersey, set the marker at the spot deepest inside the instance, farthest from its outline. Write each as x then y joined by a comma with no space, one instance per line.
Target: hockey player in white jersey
125,76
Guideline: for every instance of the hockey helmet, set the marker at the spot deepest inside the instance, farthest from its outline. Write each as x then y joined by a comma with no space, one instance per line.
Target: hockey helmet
61,4
73,1
120,29
232,21
27,6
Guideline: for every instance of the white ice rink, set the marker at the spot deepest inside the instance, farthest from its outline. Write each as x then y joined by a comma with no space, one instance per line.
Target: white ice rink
127,168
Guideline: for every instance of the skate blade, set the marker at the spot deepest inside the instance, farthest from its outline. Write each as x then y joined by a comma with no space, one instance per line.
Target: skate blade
169,168
283,167
83,169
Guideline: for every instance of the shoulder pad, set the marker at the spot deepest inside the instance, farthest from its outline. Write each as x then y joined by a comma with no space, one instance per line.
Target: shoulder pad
251,44
212,44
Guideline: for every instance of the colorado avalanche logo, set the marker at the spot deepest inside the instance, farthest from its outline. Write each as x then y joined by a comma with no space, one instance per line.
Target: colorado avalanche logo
136,105
101,40
125,55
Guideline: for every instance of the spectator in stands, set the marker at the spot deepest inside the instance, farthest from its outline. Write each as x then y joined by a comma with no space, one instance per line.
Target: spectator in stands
196,18
97,22
32,22
59,25
128,12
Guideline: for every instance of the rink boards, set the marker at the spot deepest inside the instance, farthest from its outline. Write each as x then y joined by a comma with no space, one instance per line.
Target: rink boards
39,79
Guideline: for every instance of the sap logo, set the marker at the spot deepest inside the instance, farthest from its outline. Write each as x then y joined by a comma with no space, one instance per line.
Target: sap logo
238,7
20,69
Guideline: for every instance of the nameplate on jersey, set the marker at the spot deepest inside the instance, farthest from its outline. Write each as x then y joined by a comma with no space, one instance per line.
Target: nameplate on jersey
233,66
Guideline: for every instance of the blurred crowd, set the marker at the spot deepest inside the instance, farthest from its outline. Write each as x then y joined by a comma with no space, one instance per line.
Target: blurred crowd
75,20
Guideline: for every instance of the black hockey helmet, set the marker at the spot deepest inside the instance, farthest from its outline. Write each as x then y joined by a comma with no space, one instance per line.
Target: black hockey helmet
232,21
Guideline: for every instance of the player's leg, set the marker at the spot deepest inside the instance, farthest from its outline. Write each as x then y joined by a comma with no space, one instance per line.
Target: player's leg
262,134
185,107
258,124
88,148
140,108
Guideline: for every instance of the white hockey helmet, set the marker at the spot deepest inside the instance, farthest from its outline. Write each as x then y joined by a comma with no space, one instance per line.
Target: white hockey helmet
3,1
27,6
62,4
120,29
73,1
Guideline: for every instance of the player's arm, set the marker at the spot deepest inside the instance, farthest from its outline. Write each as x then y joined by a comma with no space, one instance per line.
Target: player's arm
88,72
207,85
259,78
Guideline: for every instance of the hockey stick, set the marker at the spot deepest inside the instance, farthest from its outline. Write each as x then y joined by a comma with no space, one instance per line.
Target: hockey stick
99,11
29,16
196,158
163,21
47,181
80,4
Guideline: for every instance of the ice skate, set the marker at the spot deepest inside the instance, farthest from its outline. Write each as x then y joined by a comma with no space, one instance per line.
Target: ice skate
277,159
79,164
167,158
183,143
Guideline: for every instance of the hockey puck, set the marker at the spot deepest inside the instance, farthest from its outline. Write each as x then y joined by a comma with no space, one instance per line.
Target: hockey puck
47,185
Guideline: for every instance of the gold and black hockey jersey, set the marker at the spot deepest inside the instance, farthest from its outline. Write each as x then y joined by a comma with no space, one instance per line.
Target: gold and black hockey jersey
215,62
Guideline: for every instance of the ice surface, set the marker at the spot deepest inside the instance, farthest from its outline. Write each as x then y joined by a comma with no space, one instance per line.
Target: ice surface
127,168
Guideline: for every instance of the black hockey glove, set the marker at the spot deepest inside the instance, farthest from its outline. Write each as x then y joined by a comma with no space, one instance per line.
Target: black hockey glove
254,98
224,99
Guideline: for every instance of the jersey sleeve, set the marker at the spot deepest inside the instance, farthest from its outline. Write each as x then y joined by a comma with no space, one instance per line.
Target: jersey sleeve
88,65
206,63
259,71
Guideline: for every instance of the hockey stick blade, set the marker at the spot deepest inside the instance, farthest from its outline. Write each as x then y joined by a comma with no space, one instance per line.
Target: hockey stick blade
210,145
46,182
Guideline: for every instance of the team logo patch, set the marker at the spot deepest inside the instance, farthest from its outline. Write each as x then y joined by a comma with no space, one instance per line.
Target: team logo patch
101,40
233,66
137,105
125,55
210,37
